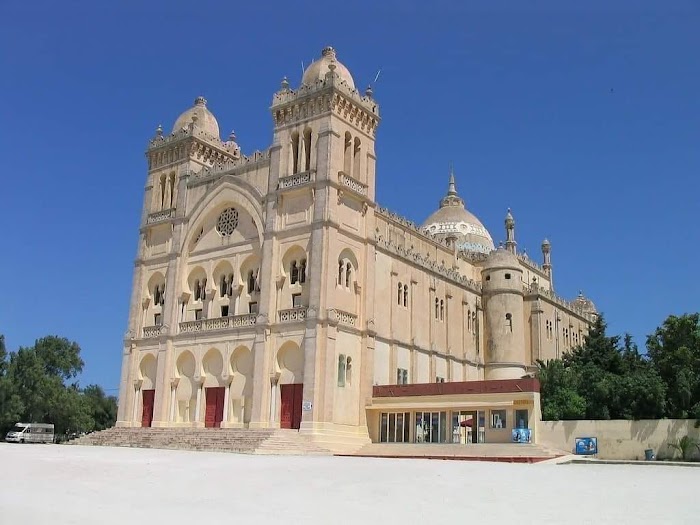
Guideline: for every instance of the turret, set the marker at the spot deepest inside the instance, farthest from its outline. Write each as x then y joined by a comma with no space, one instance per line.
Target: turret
511,245
547,261
503,316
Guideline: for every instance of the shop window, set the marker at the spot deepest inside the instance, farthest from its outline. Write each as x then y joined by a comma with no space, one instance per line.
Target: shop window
498,419
521,419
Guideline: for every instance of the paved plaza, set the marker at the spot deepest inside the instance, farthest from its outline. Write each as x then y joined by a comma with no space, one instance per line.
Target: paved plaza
78,485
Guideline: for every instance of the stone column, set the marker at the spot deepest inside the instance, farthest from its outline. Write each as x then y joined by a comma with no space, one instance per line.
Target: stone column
198,405
135,409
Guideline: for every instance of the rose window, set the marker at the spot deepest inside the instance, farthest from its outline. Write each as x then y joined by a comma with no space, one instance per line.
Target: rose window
227,222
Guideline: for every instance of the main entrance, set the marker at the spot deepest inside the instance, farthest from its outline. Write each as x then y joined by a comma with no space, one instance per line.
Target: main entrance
291,395
215,407
147,413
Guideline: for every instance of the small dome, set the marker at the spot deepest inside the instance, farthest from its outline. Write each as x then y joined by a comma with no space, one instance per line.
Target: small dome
318,69
585,304
206,121
501,258
453,220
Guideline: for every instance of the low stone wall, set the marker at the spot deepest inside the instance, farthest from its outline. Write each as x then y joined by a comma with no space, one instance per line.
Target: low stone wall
619,439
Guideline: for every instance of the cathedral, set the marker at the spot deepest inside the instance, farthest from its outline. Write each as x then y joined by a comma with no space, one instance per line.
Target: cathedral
271,290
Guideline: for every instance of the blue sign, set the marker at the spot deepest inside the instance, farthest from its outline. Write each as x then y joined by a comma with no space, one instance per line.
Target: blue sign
587,445
521,435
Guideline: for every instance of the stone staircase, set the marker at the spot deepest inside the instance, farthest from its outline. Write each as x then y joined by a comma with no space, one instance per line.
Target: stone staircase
241,441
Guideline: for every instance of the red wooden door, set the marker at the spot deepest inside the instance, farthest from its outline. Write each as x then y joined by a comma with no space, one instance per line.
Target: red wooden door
291,397
214,413
147,413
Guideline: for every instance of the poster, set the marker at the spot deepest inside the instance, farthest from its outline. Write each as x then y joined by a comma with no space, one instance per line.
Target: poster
521,435
586,445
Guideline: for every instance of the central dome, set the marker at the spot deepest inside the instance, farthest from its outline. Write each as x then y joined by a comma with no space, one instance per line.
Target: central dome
318,69
453,221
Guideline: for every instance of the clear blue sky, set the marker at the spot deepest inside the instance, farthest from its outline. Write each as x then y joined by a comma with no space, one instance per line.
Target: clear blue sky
583,117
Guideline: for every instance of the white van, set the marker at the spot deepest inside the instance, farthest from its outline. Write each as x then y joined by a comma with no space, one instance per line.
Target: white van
31,433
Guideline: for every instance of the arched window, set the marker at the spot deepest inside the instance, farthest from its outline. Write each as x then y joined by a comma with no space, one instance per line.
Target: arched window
348,370
341,370
348,274
172,190
295,153
341,273
474,321
437,308
509,323
302,271
159,294
307,149
162,190
469,320
356,159
293,273
442,310
253,281
223,286
399,294
347,158
405,295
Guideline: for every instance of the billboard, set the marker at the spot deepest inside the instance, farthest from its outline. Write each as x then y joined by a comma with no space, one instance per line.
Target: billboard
586,445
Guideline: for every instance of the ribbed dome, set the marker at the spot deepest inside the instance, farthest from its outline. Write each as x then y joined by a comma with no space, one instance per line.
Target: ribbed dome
206,121
453,220
318,69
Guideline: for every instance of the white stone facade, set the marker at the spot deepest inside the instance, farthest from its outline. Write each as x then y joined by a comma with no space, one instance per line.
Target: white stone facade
258,272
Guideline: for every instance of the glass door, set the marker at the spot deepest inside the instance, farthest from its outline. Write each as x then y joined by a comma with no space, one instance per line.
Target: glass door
395,427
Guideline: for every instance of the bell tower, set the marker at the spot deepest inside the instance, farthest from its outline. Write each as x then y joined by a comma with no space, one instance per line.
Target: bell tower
322,191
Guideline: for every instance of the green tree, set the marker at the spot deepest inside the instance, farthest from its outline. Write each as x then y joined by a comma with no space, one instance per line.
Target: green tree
558,396
37,376
674,350
11,406
611,380
103,408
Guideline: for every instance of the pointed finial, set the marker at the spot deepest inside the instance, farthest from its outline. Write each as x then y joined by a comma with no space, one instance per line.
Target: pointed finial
200,101
452,189
285,83
159,130
232,136
369,92
510,222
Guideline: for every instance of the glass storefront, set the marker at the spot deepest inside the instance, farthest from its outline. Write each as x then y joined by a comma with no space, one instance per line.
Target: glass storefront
457,426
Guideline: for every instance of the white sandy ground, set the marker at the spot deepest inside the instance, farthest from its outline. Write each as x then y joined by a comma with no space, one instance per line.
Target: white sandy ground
59,484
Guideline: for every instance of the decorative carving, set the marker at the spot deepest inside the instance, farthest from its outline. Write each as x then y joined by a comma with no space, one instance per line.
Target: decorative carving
298,179
342,317
218,323
291,315
160,216
352,184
